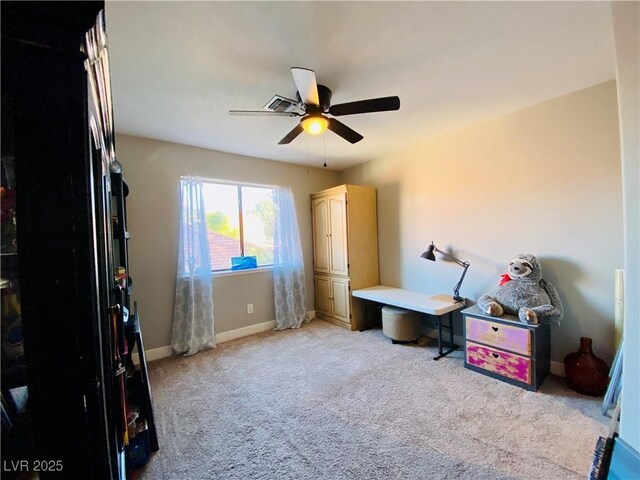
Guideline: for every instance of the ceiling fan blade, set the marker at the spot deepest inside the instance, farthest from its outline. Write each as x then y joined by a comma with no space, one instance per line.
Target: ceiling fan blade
306,84
262,113
345,132
383,104
291,135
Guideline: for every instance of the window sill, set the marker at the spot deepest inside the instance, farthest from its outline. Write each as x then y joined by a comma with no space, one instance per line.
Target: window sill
249,271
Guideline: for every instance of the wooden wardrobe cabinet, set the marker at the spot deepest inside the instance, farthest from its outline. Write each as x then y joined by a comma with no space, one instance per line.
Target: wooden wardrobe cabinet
345,251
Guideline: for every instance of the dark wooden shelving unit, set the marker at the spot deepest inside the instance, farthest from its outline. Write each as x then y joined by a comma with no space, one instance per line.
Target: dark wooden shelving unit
139,395
141,382
58,159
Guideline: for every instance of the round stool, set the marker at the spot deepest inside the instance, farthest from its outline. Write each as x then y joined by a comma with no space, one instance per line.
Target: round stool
400,325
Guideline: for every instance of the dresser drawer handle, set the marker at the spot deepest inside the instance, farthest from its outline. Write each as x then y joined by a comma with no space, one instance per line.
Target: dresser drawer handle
495,329
495,355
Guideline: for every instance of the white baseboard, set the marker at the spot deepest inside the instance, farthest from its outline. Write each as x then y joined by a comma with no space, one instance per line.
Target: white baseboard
557,368
153,354
163,352
245,331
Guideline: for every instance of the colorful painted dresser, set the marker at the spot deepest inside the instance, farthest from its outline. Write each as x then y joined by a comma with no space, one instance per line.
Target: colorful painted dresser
506,349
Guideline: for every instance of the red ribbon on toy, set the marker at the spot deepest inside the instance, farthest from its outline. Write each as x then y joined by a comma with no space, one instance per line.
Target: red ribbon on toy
504,278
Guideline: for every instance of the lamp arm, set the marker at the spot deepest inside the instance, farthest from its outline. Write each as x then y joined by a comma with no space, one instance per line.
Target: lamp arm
456,290
451,257
465,265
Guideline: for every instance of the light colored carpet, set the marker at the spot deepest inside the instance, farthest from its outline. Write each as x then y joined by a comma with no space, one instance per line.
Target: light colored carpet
321,402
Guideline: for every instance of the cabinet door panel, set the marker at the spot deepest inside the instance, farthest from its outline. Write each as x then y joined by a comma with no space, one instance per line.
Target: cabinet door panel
338,235
320,235
323,295
340,299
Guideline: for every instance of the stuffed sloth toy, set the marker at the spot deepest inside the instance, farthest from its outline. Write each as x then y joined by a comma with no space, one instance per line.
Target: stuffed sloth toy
524,293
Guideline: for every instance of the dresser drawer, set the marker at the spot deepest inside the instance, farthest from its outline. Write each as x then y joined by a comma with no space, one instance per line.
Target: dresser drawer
497,361
507,337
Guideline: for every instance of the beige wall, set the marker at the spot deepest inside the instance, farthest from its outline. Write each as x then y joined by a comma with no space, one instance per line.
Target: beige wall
152,170
544,180
626,21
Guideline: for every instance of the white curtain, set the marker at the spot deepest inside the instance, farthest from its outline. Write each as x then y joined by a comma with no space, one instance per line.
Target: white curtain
288,265
193,312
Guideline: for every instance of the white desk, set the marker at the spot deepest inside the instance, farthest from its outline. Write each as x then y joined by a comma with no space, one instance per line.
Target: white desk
437,305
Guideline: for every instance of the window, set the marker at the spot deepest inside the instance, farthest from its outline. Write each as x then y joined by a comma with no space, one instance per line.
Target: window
239,223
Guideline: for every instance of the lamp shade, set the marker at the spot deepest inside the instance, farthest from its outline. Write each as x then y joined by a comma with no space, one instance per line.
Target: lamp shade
429,255
314,124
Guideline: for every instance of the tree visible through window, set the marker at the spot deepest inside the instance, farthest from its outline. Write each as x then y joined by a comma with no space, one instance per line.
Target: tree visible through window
239,223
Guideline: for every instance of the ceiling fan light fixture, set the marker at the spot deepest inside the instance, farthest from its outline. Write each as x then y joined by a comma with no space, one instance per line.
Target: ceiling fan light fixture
314,124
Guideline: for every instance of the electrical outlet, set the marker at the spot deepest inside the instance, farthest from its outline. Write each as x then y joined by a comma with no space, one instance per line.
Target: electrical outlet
249,308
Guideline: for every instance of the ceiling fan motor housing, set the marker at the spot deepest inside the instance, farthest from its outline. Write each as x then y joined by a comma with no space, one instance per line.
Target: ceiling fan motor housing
324,94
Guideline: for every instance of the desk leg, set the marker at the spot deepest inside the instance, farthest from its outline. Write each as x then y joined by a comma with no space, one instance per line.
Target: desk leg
439,337
451,330
452,346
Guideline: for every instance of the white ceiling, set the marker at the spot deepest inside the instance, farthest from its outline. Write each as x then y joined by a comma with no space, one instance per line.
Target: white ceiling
178,67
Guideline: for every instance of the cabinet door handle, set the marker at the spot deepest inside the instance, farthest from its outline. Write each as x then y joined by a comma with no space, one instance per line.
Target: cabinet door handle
495,329
495,355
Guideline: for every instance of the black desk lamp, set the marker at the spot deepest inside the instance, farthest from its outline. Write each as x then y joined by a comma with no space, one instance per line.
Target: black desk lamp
429,255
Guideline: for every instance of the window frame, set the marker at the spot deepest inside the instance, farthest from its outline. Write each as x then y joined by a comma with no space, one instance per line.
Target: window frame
228,271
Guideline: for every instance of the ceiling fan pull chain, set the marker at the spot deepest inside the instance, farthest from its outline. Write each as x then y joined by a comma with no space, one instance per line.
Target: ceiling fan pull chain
324,147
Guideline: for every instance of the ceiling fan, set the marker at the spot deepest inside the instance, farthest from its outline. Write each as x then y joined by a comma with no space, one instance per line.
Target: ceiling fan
313,103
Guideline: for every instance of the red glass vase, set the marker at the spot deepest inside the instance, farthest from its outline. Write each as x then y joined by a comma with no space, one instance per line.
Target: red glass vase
586,373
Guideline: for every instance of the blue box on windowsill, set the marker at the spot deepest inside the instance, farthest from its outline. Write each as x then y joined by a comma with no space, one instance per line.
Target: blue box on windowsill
244,263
